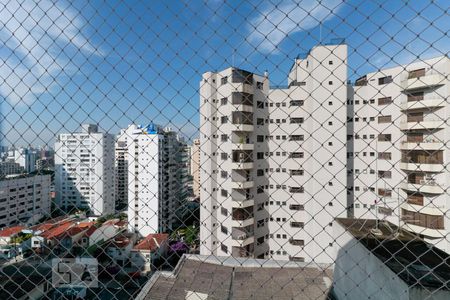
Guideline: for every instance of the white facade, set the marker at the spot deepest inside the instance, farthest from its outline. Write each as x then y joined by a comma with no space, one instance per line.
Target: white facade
273,160
23,197
157,174
84,171
25,157
195,166
401,148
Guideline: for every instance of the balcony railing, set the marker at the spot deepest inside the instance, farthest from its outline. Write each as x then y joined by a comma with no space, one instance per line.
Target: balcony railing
241,233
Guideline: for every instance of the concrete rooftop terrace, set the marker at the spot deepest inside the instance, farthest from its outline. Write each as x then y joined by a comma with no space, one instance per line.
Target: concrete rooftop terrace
209,277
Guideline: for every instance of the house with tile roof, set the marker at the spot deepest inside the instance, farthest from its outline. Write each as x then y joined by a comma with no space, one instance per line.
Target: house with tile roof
152,247
7,234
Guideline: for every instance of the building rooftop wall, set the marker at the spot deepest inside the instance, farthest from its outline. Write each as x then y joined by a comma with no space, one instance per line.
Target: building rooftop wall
230,278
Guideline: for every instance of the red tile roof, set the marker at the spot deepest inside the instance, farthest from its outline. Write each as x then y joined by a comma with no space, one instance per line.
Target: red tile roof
57,231
152,241
7,232
77,228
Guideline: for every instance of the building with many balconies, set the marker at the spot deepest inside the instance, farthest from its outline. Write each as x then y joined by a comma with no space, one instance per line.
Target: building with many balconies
273,160
401,147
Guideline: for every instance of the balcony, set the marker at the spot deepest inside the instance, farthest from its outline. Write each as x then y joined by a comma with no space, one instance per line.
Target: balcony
245,251
242,236
423,186
242,217
424,104
428,124
242,184
241,142
424,144
424,167
242,159
422,80
429,225
241,198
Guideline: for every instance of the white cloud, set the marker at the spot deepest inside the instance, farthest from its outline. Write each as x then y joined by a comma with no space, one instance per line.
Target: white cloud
35,35
275,22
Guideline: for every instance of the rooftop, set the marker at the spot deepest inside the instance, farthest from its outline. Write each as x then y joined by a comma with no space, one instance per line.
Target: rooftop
151,242
415,261
231,278
7,232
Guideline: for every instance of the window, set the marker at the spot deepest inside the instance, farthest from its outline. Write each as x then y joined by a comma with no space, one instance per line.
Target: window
224,174
224,248
296,207
260,172
296,138
259,104
224,137
223,156
259,85
224,193
296,103
224,119
384,137
296,155
384,101
330,82
330,62
384,80
423,220
297,224
224,211
260,138
296,172
296,120
297,242
296,189
224,80
384,192
384,174
259,121
384,155
384,119
260,155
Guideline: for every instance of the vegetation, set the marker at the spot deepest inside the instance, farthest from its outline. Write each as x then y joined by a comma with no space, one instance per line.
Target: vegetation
21,237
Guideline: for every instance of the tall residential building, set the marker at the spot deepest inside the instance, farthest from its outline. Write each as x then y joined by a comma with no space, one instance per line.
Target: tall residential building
157,178
121,167
401,148
273,160
84,170
195,166
24,198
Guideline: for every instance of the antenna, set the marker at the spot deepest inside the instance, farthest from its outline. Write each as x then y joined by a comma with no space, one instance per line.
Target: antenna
320,32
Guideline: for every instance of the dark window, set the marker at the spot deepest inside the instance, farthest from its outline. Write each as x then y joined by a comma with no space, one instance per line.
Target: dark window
385,80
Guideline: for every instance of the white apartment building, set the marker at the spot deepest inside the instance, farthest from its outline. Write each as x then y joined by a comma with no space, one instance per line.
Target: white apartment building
401,148
25,157
195,166
157,178
23,197
273,160
84,170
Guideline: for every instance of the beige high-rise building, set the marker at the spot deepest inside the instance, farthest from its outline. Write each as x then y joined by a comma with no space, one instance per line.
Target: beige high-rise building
273,160
195,167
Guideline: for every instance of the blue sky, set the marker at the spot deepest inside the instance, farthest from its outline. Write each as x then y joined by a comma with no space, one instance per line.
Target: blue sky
120,62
